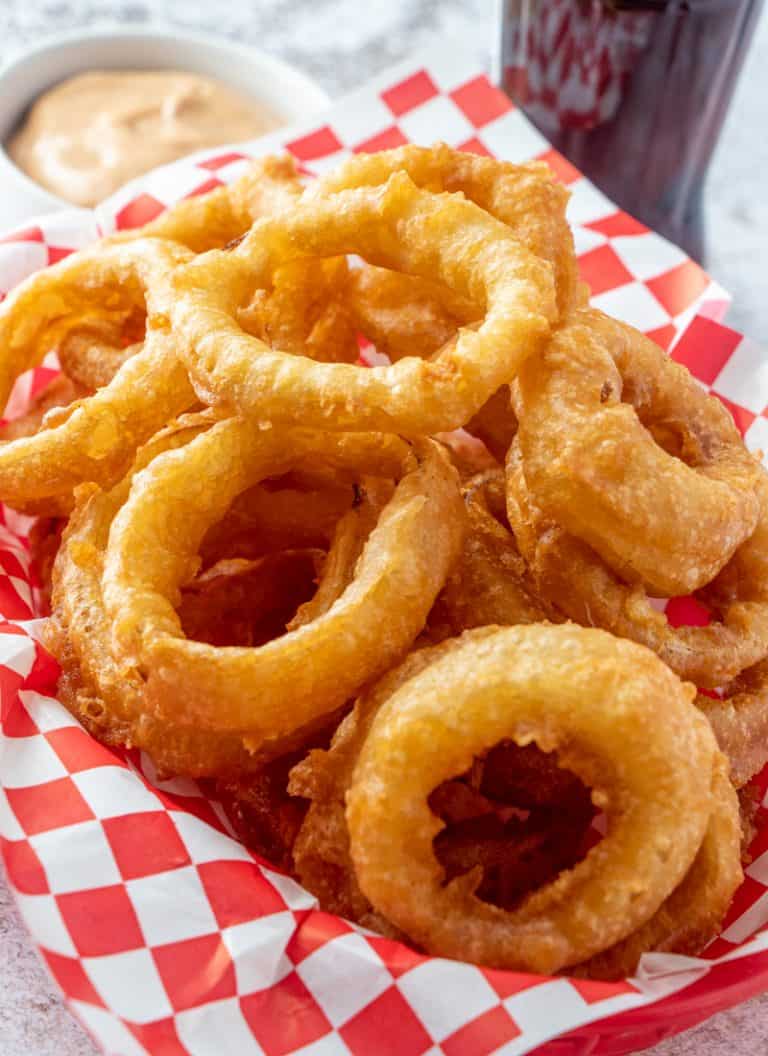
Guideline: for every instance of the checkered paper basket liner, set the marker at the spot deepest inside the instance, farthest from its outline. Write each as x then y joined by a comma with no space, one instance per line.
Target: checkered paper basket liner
164,933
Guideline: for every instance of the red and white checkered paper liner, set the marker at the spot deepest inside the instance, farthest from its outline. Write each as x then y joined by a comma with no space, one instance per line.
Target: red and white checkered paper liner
165,934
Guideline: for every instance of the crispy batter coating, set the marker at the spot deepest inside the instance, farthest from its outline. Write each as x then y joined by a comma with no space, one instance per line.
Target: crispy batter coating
585,407
634,738
398,226
571,576
268,692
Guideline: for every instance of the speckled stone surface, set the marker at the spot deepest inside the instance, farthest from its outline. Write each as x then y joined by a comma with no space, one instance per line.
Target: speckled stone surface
341,42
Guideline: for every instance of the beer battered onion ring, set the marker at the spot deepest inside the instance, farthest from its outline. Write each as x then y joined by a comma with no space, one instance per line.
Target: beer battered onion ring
110,700
438,236
739,719
211,221
524,197
405,316
693,914
572,578
267,692
590,408
617,718
95,438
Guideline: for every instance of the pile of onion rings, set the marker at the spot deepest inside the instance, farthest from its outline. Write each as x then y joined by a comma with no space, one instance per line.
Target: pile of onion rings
405,616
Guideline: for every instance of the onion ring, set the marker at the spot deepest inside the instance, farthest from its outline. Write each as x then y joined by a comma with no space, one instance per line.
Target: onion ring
494,687
321,855
524,197
405,316
740,722
57,394
408,555
108,699
396,225
587,407
349,539
693,914
212,220
91,359
93,439
569,576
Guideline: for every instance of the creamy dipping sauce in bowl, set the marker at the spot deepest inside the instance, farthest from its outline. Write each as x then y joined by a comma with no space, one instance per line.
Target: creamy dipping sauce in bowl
83,112
89,135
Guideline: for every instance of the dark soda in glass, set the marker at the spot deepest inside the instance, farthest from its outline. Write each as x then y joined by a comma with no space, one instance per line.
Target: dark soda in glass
633,92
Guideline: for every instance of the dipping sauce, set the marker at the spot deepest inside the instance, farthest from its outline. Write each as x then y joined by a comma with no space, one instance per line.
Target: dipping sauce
91,134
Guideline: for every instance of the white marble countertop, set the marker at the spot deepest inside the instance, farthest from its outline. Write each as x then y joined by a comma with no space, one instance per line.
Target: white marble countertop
341,42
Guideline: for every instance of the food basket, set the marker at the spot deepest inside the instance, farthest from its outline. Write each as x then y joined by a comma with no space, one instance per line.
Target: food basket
168,937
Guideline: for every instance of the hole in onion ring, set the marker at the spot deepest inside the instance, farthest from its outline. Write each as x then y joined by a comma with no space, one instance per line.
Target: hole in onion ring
249,602
518,817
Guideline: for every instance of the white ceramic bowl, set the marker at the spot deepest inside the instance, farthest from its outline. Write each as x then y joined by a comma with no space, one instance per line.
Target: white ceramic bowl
285,90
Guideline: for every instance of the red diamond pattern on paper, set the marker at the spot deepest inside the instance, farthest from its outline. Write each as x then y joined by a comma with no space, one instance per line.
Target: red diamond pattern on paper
101,922
593,991
664,336
315,145
71,977
57,253
507,984
415,90
213,164
140,211
196,971
205,188
313,933
24,868
687,612
475,145
386,140
480,101
561,167
678,287
741,416
483,1035
284,1017
26,234
77,750
618,225
388,1019
145,844
160,1037
398,957
705,348
54,805
237,890
603,270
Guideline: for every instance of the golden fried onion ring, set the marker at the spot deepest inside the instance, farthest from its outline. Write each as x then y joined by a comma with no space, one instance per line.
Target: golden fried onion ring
270,691
569,575
693,914
739,719
95,438
617,718
587,409
524,197
106,698
398,226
